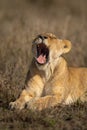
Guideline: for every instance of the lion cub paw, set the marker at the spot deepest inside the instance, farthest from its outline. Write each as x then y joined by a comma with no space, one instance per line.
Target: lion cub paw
16,105
35,105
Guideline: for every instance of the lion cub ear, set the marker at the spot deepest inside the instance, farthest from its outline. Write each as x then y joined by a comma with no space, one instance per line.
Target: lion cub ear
66,46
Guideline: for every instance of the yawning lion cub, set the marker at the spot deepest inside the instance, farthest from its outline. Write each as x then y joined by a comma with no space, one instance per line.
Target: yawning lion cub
50,81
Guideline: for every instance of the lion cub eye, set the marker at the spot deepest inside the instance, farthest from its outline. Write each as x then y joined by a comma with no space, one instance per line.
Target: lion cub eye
45,37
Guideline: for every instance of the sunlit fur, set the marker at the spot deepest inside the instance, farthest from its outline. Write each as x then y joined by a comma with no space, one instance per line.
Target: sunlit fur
54,82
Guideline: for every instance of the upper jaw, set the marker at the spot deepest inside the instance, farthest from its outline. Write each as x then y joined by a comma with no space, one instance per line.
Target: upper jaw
39,39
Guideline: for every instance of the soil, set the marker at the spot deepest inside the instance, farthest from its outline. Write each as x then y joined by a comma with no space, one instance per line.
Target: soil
20,22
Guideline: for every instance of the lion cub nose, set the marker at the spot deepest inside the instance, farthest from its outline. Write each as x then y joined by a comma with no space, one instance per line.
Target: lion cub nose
42,37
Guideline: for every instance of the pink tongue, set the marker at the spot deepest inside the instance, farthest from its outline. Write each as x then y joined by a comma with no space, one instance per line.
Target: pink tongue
41,59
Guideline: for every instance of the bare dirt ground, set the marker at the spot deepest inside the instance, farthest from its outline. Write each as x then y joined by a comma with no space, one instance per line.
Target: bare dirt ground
20,21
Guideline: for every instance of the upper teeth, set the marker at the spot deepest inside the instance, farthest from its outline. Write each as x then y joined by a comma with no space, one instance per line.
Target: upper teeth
37,45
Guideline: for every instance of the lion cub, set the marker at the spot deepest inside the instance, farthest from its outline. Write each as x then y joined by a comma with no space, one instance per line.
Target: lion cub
50,81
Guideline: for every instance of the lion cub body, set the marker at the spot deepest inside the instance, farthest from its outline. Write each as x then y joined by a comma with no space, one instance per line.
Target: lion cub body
54,82
69,82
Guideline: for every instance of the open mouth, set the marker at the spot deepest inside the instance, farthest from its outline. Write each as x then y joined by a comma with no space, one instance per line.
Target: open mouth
42,53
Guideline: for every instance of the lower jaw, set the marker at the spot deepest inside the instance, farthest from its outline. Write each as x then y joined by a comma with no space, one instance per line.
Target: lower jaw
40,63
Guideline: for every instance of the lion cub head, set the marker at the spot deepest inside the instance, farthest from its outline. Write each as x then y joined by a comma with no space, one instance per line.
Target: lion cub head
47,47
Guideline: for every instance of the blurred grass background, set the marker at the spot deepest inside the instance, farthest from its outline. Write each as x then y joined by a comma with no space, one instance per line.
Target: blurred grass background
20,22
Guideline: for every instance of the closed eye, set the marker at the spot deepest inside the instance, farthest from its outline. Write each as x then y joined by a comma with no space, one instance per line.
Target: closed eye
45,37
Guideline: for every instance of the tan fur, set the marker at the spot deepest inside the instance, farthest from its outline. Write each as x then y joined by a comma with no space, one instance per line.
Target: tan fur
54,82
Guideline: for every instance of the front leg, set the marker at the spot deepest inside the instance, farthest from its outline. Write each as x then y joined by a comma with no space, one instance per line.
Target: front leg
21,101
34,89
45,102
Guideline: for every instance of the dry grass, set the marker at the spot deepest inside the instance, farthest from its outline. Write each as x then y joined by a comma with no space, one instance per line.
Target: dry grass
20,21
